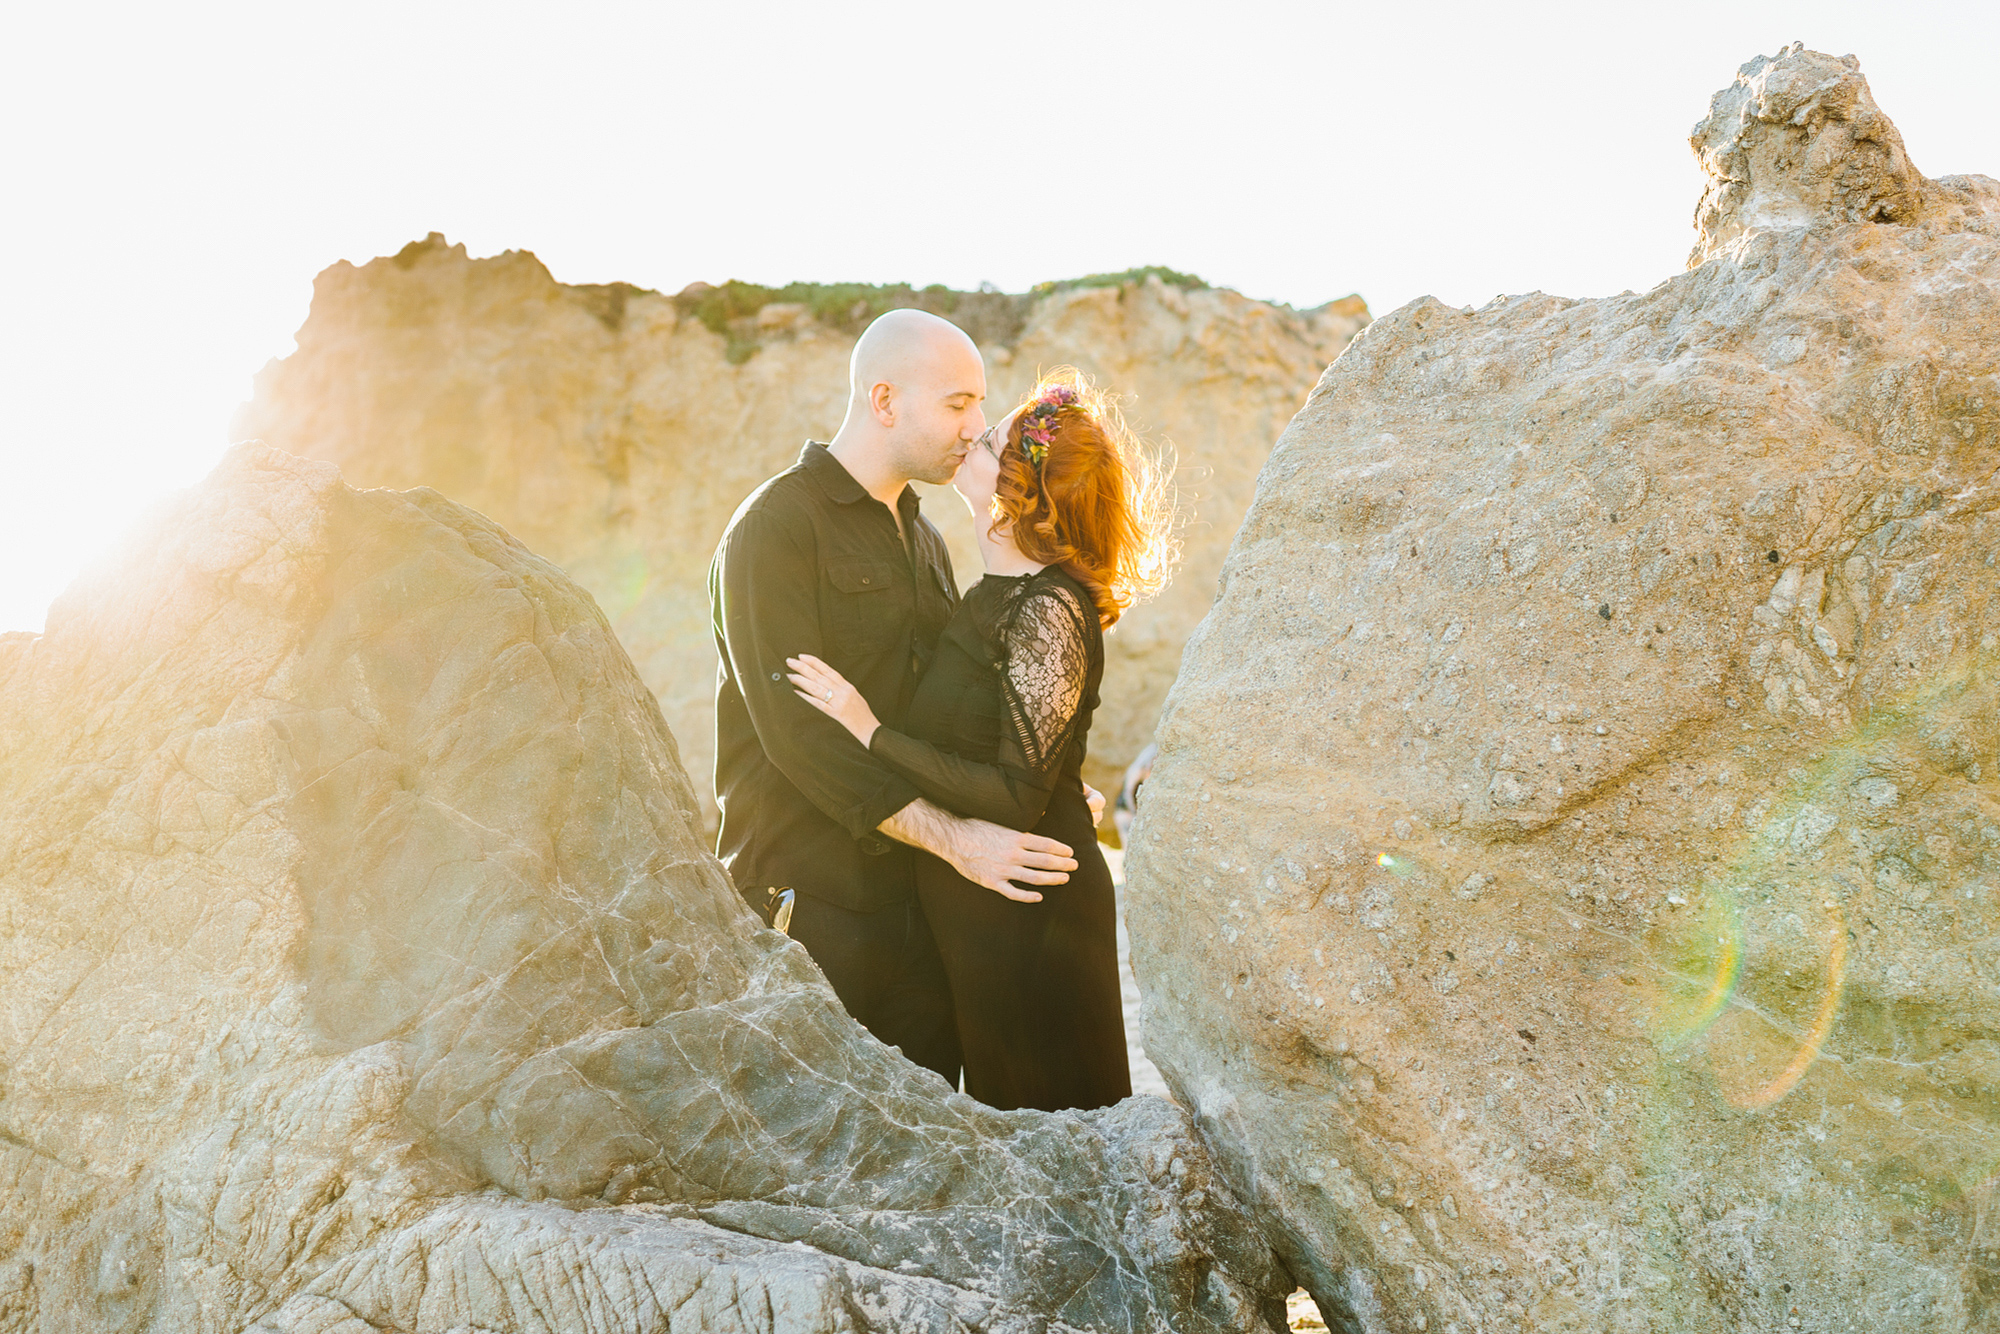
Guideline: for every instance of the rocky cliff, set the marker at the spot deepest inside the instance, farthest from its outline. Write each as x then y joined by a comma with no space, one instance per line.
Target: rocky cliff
365,969
615,430
1570,887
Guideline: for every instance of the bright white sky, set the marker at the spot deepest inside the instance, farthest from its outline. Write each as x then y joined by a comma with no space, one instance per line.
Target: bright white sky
174,175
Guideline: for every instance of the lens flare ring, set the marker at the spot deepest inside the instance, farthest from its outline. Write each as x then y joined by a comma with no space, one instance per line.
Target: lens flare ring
1816,1033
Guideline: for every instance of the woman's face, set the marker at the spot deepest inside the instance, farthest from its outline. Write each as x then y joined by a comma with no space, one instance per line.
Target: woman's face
980,471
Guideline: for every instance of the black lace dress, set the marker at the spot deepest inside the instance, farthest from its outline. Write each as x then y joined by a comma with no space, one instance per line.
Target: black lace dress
997,731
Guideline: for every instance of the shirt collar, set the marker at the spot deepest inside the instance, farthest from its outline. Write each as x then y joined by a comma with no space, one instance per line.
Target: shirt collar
839,484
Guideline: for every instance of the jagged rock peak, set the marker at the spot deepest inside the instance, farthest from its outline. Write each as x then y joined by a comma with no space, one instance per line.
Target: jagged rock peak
1798,139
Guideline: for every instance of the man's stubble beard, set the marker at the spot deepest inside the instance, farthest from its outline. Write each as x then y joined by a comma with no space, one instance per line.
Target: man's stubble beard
931,466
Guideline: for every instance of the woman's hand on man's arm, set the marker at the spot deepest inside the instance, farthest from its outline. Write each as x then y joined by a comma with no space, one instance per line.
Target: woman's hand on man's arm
986,854
828,691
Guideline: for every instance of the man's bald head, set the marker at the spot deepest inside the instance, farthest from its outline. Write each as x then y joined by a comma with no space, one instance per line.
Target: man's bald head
915,383
903,346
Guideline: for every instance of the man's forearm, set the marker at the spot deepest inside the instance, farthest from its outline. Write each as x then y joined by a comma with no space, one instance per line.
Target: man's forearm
1004,860
925,826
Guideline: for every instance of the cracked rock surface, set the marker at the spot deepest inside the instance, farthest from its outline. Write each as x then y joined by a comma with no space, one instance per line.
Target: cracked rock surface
1569,893
364,969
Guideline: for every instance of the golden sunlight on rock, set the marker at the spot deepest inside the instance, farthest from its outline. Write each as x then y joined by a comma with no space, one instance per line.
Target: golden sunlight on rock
1567,897
366,968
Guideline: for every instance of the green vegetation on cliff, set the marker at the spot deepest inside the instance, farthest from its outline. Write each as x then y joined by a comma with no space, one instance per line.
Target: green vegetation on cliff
1171,277
989,316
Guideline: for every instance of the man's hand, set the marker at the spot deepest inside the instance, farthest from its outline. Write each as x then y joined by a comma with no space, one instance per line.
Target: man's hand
986,854
1096,800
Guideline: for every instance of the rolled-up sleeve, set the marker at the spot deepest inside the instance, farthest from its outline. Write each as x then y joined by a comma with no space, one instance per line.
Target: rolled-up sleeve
1004,794
767,594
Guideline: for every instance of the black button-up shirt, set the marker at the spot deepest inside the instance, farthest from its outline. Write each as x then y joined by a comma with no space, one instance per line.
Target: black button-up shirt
811,563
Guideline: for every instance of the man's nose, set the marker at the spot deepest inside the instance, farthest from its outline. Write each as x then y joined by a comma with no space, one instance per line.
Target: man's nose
975,425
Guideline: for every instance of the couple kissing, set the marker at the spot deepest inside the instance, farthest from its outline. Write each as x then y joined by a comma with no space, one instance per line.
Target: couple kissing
907,761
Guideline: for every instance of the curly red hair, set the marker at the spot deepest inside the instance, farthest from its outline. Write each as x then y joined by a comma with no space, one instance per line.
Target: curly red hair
1099,505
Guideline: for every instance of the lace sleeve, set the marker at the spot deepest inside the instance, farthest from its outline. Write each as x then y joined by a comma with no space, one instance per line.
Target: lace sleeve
1047,655
1043,648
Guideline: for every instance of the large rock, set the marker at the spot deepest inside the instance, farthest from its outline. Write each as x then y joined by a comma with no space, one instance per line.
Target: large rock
1570,888
614,431
364,969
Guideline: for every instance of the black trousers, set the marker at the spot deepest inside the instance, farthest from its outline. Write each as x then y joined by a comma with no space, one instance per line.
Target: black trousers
885,968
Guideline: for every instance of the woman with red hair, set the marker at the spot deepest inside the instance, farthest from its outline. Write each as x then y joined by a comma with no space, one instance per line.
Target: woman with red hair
1074,523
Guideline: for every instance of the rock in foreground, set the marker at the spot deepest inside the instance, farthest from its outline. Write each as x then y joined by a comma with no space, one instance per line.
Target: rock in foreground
364,970
1570,888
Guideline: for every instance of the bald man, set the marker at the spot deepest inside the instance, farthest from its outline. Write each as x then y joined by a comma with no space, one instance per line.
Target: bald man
833,557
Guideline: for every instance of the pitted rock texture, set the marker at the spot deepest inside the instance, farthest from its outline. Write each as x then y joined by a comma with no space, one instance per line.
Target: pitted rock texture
1569,890
364,968
611,432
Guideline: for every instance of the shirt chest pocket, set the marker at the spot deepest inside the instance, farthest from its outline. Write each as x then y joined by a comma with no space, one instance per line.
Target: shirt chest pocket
936,599
864,605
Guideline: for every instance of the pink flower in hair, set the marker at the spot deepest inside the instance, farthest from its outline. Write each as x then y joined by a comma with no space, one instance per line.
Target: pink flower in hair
1038,420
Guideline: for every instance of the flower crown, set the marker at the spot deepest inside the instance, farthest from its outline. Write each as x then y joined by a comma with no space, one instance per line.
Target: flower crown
1038,420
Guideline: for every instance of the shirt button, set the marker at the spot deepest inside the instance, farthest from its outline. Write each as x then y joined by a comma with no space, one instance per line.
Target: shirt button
775,676
866,580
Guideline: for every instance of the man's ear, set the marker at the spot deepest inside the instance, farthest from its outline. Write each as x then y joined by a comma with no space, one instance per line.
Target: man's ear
882,402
